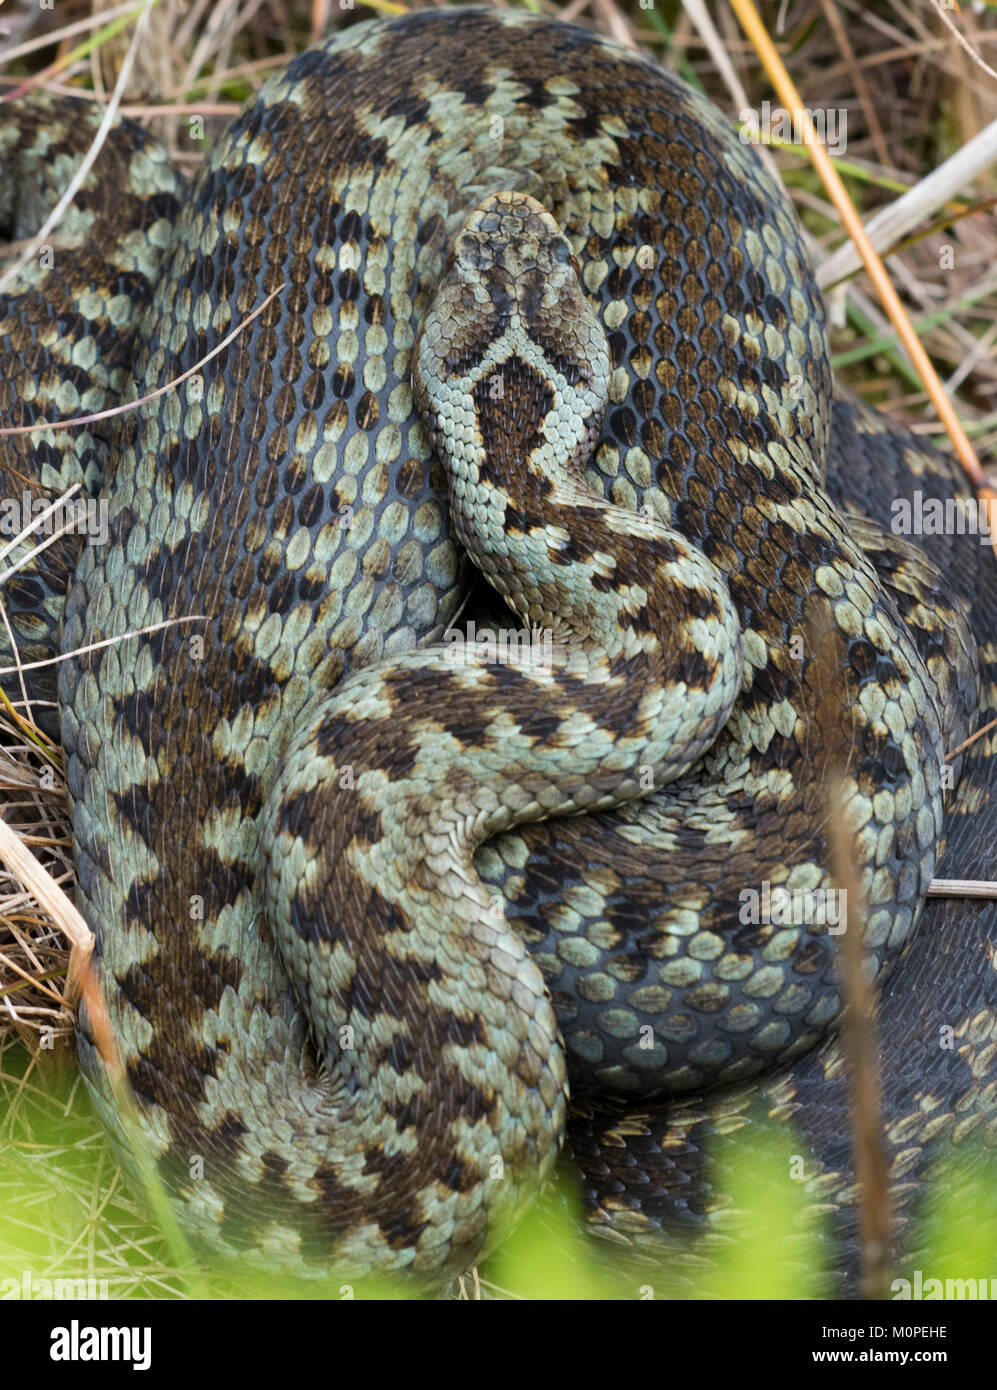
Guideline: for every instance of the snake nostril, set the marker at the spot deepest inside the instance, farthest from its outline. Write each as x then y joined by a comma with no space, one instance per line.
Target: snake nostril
501,297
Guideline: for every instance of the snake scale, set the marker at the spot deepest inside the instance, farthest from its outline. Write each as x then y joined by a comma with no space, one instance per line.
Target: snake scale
384,922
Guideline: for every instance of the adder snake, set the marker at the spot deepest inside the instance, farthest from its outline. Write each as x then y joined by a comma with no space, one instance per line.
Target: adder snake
533,301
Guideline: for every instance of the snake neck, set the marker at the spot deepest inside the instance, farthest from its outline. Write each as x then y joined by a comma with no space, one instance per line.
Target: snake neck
512,377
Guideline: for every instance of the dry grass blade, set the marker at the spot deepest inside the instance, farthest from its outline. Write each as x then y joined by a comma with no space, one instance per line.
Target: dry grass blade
833,18
30,555
87,162
961,888
105,642
700,17
39,521
963,42
52,899
39,921
80,26
755,30
616,24
971,739
152,395
901,217
858,1030
707,30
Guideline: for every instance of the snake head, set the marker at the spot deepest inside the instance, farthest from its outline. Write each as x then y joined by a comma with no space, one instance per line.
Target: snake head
511,365
511,268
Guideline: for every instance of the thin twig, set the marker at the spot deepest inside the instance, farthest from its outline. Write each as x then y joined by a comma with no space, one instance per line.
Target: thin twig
43,887
858,77
892,223
143,400
105,642
962,888
92,21
39,520
960,37
978,733
858,1029
86,163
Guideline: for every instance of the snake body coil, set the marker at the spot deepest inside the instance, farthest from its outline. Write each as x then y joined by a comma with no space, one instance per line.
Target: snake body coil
529,294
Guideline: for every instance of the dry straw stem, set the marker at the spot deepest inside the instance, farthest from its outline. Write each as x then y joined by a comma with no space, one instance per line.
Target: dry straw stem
68,31
40,883
836,25
858,1030
858,1018
96,646
707,30
960,37
790,97
33,950
34,525
962,888
891,224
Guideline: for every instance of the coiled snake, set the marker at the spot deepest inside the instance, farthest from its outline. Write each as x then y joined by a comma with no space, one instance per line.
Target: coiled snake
531,295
